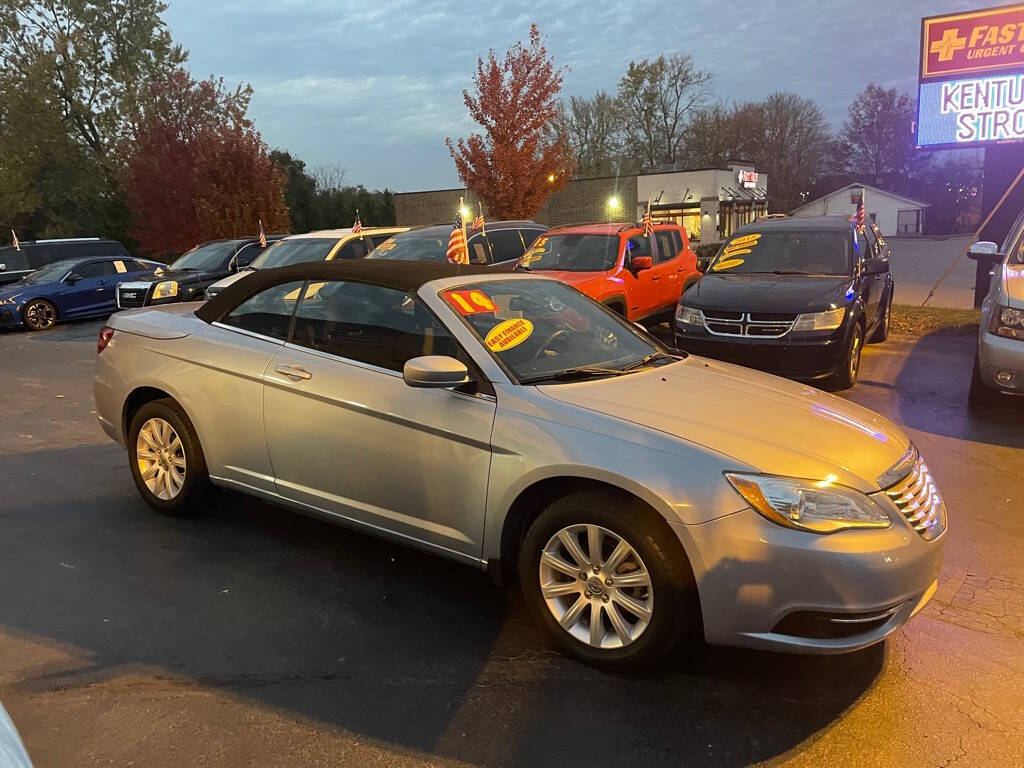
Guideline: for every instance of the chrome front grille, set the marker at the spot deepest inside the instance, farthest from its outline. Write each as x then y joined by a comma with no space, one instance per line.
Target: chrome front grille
131,295
919,501
763,325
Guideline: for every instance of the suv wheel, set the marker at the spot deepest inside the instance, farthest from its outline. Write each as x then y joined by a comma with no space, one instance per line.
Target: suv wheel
39,315
849,369
607,580
166,459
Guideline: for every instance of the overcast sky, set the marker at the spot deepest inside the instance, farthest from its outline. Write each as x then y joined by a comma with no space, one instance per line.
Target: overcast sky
376,85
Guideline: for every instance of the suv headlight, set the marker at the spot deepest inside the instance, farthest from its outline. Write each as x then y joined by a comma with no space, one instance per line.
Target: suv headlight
689,315
828,320
1008,322
806,505
165,290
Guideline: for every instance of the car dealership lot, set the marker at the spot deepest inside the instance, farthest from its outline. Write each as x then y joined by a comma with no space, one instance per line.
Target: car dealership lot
254,636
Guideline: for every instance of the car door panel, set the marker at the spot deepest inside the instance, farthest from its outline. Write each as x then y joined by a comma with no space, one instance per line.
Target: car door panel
356,441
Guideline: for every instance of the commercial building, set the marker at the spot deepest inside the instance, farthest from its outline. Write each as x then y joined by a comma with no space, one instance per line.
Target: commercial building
710,202
894,214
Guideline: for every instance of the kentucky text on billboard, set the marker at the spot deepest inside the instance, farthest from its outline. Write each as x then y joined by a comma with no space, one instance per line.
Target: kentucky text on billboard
971,89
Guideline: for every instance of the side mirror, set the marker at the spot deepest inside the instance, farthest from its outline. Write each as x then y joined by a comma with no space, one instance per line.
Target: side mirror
876,266
984,248
638,263
703,262
72,278
435,371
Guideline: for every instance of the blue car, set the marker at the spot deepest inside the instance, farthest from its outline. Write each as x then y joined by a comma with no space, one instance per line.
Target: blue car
68,290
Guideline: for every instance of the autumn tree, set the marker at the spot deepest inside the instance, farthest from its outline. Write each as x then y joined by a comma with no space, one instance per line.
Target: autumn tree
515,102
720,133
183,126
660,96
877,139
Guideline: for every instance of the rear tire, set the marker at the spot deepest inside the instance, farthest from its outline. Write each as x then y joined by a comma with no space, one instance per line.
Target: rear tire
39,315
633,630
166,459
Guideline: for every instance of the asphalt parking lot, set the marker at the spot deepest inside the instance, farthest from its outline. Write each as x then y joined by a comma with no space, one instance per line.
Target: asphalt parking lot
253,636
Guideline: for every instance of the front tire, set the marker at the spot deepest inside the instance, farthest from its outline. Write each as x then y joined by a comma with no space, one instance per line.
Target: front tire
607,580
849,369
166,459
39,315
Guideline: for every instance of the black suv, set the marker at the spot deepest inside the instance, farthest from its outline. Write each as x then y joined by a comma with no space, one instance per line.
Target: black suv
792,296
188,276
498,244
16,264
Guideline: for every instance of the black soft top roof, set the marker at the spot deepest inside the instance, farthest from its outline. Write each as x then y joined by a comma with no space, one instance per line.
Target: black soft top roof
406,276
835,223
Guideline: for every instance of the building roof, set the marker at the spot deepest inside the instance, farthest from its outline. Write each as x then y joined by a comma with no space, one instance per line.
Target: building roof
912,201
400,275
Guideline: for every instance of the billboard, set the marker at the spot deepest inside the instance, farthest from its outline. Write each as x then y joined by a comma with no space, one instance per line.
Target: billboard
971,79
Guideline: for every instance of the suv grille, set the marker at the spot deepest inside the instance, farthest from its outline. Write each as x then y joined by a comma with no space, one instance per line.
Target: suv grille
918,500
765,325
128,297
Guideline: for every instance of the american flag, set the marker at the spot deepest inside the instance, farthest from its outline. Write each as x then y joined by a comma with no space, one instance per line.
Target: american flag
14,237
859,216
647,221
458,253
263,235
478,220
357,225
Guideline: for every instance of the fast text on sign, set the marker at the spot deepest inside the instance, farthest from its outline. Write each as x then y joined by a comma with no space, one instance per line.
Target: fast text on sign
976,42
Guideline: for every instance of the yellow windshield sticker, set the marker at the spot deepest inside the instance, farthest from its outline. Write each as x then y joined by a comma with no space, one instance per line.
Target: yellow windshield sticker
740,242
535,252
508,334
386,246
727,264
738,252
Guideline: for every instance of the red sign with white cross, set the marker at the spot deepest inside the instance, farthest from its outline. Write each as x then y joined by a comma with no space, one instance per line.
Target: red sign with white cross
986,41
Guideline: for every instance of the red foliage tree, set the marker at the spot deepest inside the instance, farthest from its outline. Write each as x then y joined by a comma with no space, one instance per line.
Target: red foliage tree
173,191
510,166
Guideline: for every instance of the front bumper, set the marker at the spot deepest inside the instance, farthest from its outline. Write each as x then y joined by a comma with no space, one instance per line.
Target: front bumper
807,358
999,354
10,316
761,585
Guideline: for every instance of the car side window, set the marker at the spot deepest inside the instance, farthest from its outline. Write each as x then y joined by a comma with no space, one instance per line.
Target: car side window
507,244
677,238
480,250
96,269
666,246
863,249
370,324
637,246
247,254
13,259
353,249
378,239
873,248
269,312
529,236
134,265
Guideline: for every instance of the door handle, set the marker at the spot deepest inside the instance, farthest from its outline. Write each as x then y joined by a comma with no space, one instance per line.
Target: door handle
655,277
294,371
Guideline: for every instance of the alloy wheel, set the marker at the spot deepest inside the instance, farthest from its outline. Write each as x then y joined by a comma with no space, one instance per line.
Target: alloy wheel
39,315
596,586
161,459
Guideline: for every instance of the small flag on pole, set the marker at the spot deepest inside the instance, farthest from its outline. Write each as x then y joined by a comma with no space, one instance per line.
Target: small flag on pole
647,221
860,216
263,235
478,220
357,225
14,237
458,253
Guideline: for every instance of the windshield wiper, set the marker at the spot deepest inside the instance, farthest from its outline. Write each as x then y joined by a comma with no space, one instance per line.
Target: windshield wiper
582,371
650,359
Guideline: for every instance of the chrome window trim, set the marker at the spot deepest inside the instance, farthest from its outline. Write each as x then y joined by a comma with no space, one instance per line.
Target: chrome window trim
250,334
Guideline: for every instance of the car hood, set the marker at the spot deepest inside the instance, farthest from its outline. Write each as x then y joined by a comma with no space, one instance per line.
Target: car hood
778,426
768,293
1014,275
181,276
222,284
13,290
576,279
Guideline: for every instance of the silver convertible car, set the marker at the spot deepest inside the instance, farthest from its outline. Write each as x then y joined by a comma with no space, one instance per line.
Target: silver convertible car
511,423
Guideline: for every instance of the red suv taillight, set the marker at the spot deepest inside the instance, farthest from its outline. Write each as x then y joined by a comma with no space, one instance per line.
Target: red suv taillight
106,334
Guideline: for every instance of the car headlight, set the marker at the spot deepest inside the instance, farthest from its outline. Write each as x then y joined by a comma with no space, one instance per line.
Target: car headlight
165,290
1008,322
689,316
806,505
211,292
828,320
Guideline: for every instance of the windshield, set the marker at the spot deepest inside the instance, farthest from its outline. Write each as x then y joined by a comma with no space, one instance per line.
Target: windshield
51,272
540,329
796,253
295,251
573,253
413,246
203,257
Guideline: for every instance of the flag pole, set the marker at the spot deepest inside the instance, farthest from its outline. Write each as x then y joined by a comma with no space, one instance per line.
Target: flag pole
465,242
